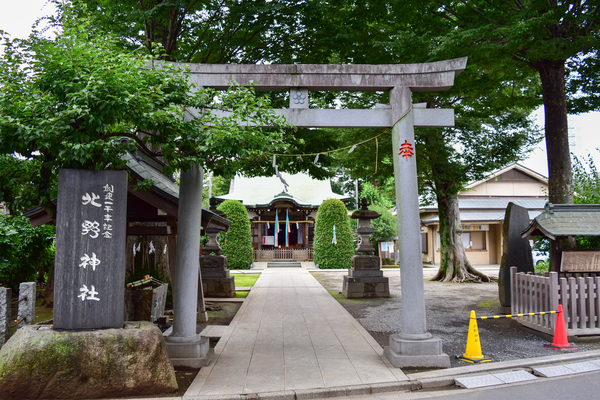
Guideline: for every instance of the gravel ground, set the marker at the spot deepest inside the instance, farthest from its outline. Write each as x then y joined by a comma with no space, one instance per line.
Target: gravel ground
448,307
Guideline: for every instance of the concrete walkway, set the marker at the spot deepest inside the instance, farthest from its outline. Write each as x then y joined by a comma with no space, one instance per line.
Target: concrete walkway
291,334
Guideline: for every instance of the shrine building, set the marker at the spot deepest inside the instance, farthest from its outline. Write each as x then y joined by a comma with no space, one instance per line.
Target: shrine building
293,211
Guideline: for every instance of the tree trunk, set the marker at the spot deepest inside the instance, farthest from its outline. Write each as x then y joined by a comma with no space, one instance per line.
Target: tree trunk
454,265
552,74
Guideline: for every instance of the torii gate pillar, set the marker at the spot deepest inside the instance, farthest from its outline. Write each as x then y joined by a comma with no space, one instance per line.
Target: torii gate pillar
413,346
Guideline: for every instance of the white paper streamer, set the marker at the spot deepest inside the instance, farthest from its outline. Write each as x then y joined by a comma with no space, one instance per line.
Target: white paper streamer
352,149
316,159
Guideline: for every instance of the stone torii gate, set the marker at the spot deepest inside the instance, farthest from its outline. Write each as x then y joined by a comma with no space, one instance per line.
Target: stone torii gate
413,346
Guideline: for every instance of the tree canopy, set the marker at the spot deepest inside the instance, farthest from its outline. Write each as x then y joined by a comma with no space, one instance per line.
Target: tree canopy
66,102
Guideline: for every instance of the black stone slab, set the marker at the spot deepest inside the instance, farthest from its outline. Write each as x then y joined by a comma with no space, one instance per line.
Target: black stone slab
516,250
89,274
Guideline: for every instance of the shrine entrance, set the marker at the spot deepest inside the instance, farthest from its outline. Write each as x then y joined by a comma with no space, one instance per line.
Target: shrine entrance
413,346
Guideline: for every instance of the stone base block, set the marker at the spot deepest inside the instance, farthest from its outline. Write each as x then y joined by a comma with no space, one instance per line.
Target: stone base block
196,349
219,287
365,263
425,353
365,274
39,362
194,363
356,288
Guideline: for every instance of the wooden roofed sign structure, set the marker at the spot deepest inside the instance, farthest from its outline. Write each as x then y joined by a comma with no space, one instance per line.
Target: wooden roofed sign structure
413,346
558,222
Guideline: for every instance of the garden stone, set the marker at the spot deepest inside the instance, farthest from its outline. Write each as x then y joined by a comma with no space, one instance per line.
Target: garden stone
40,362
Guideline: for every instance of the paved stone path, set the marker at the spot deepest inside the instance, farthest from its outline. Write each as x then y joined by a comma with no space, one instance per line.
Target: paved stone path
290,334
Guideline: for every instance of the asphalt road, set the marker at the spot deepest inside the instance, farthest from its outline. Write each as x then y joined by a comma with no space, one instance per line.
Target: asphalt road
580,387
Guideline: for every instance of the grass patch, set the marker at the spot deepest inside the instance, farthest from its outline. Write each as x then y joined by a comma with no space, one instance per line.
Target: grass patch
490,303
241,294
245,280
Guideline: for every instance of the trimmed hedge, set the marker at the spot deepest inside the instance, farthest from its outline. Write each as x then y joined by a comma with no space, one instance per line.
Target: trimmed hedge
237,246
326,254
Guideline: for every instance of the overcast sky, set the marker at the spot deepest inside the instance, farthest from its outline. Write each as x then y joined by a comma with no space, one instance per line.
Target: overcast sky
17,17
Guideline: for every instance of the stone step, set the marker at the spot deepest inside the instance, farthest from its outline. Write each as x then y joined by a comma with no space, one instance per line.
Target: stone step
284,265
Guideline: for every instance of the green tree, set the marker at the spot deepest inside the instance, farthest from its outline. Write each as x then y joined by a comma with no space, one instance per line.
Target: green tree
65,103
556,39
327,253
386,226
208,31
237,241
586,190
492,100
586,181
25,251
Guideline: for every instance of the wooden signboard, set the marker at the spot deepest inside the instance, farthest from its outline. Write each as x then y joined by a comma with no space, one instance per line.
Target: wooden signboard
580,261
89,274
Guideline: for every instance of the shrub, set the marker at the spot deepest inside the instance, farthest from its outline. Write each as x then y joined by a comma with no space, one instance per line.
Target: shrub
25,251
326,254
237,241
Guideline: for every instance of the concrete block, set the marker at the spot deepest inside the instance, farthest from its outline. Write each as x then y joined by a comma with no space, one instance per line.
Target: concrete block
514,376
26,309
472,382
5,299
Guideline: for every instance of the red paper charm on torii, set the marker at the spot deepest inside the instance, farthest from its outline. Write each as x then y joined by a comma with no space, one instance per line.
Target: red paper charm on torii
406,150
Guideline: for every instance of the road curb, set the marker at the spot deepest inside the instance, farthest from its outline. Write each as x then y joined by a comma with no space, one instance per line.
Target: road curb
440,378
417,381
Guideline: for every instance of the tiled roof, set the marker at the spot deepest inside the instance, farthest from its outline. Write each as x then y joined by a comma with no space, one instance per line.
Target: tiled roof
494,203
146,169
566,220
482,216
263,191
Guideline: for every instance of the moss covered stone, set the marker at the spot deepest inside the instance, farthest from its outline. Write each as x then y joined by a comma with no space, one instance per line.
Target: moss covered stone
38,362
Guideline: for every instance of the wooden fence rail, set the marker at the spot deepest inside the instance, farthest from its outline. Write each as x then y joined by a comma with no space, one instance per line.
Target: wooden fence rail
283,255
580,298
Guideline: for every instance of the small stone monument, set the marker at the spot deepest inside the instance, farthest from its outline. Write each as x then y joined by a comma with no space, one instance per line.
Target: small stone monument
215,278
516,252
5,299
365,279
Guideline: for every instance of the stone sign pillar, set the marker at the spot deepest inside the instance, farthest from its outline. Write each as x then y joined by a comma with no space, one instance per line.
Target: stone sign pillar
216,280
413,346
89,272
365,278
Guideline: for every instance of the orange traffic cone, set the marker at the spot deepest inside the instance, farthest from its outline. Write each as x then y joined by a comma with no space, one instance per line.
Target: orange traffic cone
560,333
473,350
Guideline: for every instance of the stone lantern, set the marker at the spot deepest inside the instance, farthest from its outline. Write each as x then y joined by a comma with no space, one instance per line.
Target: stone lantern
216,280
365,278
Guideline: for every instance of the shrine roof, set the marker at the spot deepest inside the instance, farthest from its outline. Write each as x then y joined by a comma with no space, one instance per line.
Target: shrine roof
560,220
493,203
258,192
483,216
